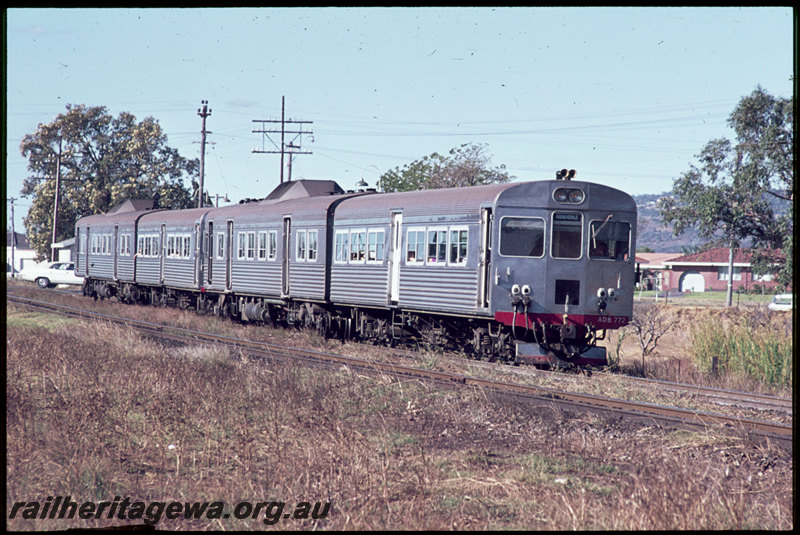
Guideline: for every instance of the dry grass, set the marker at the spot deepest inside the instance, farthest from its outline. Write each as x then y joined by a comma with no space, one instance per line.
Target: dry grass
92,412
696,332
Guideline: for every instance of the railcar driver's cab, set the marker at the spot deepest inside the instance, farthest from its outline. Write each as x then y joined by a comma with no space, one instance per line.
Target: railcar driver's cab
558,251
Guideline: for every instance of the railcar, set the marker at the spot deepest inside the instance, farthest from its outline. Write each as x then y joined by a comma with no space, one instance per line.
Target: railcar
534,271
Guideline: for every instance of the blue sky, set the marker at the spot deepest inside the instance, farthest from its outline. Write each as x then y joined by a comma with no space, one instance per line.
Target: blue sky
626,96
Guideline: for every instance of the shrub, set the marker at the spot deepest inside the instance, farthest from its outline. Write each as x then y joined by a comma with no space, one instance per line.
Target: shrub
756,344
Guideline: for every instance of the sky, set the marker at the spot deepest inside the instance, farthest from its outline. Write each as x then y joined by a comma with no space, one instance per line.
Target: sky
626,96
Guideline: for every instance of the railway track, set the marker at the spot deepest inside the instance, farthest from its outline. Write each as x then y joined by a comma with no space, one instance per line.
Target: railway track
563,400
717,396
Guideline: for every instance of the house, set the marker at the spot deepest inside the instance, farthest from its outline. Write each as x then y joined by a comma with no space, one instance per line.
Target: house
708,270
63,250
18,253
653,271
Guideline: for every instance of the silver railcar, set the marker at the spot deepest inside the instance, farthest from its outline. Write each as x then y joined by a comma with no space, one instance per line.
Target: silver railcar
534,271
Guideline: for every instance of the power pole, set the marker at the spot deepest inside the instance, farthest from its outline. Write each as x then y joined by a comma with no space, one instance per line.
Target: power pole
13,238
285,148
203,112
55,204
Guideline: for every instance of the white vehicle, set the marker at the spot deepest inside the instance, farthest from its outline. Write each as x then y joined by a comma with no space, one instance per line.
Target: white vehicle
781,302
51,273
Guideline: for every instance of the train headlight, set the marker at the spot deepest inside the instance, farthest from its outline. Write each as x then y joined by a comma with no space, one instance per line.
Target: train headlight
611,293
526,290
561,195
515,290
601,293
576,196
569,195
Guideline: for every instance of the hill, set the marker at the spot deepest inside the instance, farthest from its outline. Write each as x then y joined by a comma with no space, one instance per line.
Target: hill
651,233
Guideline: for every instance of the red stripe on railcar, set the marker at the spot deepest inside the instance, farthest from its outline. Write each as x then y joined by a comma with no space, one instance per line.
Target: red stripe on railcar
594,320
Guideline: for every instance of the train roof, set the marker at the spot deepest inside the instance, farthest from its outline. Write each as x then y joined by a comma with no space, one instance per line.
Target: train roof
443,201
312,199
469,200
597,196
270,210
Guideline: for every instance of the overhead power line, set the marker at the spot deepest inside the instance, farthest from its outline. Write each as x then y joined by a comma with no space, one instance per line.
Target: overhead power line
289,148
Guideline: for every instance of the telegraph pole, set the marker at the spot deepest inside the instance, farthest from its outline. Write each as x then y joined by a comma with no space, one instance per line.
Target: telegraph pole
13,238
203,112
55,204
289,148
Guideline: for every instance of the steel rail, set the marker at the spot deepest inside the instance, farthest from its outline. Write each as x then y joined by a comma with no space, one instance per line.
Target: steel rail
719,396
647,413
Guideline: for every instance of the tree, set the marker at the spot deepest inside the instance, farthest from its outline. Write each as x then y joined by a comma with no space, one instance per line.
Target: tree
467,165
744,191
101,161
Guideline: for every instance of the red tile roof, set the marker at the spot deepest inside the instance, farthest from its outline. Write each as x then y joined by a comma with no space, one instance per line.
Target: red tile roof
717,255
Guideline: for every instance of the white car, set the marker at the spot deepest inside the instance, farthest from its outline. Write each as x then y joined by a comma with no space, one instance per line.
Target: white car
781,302
51,273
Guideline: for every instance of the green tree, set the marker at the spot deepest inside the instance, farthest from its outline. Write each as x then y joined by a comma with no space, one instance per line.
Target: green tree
102,161
467,165
744,190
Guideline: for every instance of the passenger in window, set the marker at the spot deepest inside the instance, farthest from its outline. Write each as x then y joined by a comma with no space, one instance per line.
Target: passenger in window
600,250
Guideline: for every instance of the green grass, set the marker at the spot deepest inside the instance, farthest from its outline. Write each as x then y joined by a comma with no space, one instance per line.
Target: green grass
753,345
710,298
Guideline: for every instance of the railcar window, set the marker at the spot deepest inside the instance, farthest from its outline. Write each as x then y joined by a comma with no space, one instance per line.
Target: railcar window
375,245
251,245
415,246
125,245
187,247
312,246
241,242
273,245
145,246
609,240
262,245
566,238
437,246
301,245
342,241
522,236
358,246
220,245
458,246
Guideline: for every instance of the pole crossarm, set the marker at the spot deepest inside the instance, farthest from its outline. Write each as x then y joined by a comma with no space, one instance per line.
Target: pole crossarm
283,148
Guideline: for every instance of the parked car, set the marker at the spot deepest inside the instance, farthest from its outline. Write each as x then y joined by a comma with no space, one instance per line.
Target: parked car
51,273
781,302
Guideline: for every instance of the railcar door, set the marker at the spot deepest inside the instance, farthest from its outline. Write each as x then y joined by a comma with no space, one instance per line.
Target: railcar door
484,266
209,244
396,257
287,229
115,250
228,255
198,258
86,254
160,252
